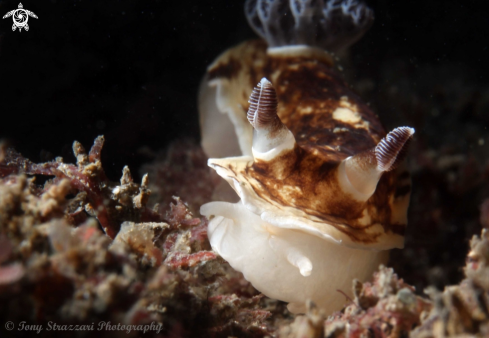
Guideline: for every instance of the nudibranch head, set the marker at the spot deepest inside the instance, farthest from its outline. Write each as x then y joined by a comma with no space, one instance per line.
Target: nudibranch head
355,200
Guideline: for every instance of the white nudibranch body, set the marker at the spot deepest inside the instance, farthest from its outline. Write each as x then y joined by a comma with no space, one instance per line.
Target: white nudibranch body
323,194
287,264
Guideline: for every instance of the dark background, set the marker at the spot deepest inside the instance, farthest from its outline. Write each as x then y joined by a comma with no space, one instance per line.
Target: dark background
130,70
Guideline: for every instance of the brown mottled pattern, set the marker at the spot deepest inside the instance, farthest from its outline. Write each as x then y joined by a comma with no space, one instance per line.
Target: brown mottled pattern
319,194
229,68
315,85
305,178
226,70
301,81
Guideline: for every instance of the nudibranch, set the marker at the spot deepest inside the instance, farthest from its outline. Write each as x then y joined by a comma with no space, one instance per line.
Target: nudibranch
322,190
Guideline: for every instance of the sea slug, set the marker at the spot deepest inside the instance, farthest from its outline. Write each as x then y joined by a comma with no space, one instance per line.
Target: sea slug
322,190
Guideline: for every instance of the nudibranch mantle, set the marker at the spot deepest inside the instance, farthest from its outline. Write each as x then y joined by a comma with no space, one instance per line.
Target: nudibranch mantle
323,193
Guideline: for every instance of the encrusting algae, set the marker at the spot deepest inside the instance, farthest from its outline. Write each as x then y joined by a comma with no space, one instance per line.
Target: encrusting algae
58,265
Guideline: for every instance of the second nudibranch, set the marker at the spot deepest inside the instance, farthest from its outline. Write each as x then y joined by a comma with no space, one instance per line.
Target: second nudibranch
322,192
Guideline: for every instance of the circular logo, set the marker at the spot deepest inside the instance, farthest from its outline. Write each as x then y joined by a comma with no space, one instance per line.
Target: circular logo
9,326
20,17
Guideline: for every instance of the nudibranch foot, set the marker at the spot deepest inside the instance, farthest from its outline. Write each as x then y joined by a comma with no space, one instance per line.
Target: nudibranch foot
331,24
287,264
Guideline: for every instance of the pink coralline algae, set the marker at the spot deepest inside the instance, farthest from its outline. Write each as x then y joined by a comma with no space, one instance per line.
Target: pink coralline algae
56,263
462,310
108,202
385,307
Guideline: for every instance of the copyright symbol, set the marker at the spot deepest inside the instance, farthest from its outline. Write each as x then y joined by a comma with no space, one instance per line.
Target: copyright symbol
9,326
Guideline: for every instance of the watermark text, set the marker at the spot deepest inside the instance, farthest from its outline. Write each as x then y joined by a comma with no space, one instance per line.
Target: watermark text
99,326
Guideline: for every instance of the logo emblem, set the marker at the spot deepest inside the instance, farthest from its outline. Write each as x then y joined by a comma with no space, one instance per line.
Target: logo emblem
20,17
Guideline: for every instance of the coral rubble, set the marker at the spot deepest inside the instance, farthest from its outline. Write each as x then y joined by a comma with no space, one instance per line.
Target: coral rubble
56,263
462,310
386,307
109,202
